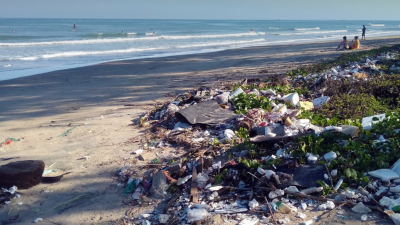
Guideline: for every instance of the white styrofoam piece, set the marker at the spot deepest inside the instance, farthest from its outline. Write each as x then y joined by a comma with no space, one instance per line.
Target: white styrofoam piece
367,121
318,102
384,174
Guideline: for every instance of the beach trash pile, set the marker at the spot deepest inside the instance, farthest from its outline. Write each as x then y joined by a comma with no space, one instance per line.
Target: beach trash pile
251,156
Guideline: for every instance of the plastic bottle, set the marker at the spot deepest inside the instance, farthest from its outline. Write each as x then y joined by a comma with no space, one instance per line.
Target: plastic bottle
396,209
283,208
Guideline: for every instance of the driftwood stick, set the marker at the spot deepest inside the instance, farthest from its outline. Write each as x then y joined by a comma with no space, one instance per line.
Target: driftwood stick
330,178
264,188
270,209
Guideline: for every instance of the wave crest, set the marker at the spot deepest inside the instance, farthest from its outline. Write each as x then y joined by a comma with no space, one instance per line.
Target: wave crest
301,29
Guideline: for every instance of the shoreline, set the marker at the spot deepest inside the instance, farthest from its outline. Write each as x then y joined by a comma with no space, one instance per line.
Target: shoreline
15,74
97,100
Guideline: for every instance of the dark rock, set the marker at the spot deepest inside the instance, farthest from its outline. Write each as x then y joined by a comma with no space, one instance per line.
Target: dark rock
175,166
23,174
159,186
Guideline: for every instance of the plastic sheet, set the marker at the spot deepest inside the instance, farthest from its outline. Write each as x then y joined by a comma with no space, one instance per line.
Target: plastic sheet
208,112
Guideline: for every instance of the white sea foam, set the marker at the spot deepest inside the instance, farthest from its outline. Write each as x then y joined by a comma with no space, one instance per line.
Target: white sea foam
315,28
377,25
315,32
223,43
130,50
150,37
8,65
78,42
132,33
261,33
86,53
273,28
208,36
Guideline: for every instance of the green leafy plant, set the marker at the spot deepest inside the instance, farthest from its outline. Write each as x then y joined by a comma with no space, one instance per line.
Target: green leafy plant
242,134
219,177
244,102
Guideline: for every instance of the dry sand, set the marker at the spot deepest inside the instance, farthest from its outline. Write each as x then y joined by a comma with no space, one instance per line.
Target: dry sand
38,109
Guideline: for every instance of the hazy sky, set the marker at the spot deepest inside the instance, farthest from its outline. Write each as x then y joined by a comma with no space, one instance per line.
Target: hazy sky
204,9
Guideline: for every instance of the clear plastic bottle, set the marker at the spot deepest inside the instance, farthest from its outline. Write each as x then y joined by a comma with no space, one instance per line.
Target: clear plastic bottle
283,208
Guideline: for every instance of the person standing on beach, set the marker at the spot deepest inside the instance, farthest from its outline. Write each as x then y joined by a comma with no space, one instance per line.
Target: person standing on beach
363,33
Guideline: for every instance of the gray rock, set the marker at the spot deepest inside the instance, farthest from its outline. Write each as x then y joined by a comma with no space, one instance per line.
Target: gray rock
159,185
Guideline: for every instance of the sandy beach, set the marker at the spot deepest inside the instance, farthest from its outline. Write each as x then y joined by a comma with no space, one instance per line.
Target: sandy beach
39,109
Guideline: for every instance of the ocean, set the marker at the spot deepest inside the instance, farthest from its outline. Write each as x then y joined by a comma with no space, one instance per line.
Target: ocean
32,46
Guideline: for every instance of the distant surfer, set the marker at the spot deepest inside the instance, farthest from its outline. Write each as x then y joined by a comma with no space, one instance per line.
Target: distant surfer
251,30
122,32
74,26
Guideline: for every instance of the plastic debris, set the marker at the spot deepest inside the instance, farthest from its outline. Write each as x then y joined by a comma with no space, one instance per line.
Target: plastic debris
283,208
38,220
364,218
139,151
301,215
196,214
292,98
306,105
236,92
330,156
182,126
163,218
361,208
308,222
253,204
327,205
184,179
249,221
384,174
318,102
367,122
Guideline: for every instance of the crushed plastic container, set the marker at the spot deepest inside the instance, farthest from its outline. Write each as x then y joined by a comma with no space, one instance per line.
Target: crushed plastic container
292,98
318,102
197,214
236,93
330,156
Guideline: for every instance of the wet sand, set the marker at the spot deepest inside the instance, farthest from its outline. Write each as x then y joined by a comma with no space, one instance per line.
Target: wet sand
39,108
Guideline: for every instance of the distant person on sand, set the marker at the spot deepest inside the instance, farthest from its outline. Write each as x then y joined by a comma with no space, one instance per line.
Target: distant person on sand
356,43
363,33
344,44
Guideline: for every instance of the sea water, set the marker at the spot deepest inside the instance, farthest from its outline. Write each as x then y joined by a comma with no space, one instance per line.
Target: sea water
31,46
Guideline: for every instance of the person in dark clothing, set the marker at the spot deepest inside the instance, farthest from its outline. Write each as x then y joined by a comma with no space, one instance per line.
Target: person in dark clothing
363,33
344,44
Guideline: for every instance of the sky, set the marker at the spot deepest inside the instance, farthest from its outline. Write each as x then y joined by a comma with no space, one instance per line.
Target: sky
204,9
